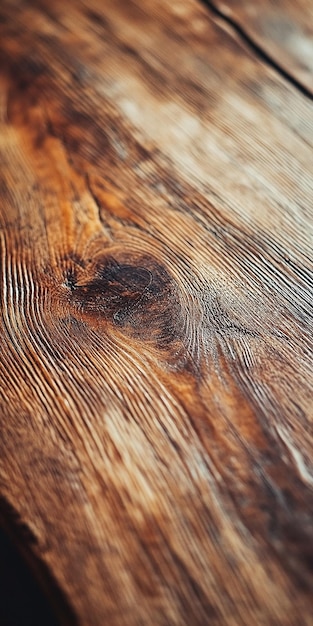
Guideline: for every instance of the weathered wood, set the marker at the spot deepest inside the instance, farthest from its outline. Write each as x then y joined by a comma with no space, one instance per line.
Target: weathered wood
156,333
282,30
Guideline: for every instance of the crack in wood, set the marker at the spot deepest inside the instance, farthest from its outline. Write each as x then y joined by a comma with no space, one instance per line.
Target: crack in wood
256,48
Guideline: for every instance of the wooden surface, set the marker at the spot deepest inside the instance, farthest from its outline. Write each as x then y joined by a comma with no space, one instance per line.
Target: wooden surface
156,298
281,30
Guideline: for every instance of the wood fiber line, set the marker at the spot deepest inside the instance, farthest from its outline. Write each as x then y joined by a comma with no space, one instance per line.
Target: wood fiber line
281,31
156,344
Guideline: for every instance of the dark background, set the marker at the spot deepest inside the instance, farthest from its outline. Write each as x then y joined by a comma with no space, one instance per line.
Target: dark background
22,602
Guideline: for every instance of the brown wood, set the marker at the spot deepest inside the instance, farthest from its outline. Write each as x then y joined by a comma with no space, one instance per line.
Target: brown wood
282,30
156,334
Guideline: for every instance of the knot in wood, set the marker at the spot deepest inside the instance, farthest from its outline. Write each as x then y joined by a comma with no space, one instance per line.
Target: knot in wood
137,295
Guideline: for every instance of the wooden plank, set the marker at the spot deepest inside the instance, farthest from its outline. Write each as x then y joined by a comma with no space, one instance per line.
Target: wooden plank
282,30
156,333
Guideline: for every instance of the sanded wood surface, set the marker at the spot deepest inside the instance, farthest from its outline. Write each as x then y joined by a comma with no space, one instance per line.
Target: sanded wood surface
156,315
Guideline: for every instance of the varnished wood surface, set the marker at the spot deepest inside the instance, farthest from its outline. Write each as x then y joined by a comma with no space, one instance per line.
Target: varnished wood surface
156,331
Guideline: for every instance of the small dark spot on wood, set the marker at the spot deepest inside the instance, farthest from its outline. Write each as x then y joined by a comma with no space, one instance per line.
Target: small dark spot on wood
97,18
70,279
26,70
32,67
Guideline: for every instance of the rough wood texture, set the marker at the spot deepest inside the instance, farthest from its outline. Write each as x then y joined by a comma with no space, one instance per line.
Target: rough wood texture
156,296
282,30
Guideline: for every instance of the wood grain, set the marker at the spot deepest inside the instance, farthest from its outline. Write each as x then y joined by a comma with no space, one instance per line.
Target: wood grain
156,331
281,30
